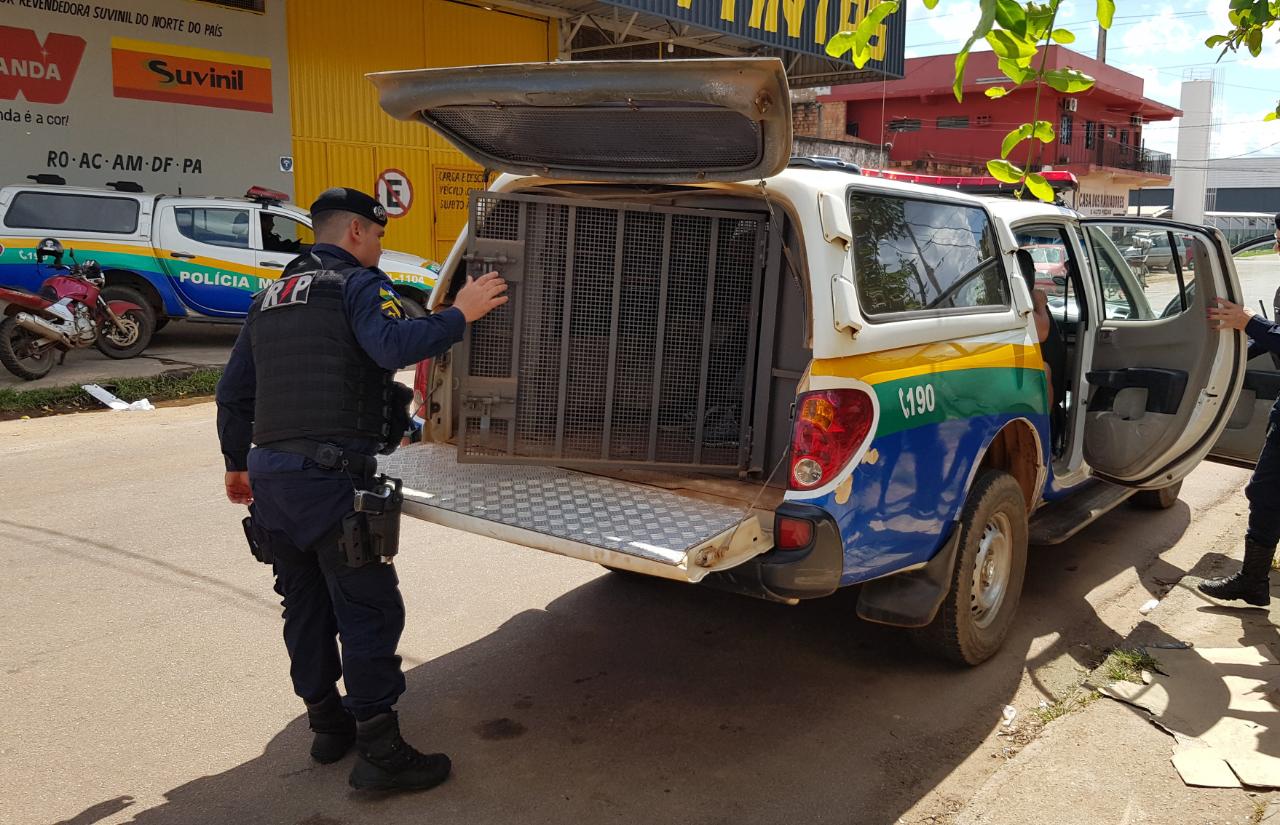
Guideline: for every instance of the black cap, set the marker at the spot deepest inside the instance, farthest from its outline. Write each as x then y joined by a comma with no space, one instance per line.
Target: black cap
349,200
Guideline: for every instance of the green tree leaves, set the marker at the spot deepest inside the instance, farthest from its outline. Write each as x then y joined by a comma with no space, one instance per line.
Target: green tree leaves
1068,81
1003,170
1106,13
858,40
1041,130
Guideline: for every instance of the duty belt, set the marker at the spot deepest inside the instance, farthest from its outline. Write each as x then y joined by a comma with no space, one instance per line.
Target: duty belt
328,456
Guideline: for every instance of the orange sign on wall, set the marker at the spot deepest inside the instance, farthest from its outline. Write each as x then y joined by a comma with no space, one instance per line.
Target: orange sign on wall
181,74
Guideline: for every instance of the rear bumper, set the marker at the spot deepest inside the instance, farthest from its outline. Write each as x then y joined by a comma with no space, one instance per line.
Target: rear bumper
790,575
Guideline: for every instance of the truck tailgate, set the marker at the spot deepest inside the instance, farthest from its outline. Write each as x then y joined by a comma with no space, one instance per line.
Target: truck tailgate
614,523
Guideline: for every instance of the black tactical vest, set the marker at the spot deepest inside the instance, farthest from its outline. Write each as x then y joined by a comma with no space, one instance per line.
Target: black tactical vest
313,378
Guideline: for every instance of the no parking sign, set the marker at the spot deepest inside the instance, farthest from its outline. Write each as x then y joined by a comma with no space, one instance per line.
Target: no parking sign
394,191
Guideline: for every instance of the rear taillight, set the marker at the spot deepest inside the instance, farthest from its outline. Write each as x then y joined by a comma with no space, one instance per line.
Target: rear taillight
830,427
792,533
420,388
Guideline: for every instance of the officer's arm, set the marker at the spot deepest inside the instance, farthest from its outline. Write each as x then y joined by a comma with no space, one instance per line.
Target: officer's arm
235,396
381,329
1264,335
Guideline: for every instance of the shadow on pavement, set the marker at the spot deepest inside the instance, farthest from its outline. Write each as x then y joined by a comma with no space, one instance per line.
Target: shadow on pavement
636,701
630,700
1060,577
99,812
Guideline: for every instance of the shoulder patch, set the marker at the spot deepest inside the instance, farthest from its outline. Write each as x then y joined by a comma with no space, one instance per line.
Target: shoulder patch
287,292
389,302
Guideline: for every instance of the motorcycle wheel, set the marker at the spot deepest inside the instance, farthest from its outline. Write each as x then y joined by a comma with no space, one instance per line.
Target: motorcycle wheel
138,326
18,353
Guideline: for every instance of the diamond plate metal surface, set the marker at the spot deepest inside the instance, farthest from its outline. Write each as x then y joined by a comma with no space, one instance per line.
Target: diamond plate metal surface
614,515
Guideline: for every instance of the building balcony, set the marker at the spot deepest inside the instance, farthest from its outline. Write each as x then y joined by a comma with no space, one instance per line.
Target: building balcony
1111,154
947,153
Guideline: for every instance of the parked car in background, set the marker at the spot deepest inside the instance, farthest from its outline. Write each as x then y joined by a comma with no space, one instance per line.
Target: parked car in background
1051,262
190,258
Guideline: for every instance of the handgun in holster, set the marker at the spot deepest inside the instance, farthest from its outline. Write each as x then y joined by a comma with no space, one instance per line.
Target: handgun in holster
259,541
371,532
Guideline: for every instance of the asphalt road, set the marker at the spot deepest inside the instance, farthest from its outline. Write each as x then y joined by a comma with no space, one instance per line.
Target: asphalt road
145,679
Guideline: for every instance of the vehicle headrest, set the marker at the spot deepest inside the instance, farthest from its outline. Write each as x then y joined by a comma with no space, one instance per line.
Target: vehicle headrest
1027,266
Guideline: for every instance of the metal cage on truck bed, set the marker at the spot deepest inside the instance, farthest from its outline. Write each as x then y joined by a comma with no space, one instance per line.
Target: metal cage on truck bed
630,337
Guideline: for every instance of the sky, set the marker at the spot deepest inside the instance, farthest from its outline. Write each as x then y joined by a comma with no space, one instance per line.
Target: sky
1161,42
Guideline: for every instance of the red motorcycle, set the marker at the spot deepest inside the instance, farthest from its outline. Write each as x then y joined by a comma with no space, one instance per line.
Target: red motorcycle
69,313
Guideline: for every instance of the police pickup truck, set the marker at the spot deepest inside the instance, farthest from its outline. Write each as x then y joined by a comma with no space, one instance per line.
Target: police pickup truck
782,377
187,258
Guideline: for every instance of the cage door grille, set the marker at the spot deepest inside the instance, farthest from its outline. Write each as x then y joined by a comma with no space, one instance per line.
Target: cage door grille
629,339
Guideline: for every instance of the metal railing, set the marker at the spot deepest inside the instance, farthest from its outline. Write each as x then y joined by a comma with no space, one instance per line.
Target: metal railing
1114,154
924,146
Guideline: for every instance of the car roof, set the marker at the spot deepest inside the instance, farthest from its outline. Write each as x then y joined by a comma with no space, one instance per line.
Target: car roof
88,190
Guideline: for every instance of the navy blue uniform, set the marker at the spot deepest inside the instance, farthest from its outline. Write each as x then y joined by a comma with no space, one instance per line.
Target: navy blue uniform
303,504
1263,490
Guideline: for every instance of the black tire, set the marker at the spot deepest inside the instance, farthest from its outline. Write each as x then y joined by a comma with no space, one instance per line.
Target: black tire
412,308
17,355
991,562
161,323
1161,499
140,325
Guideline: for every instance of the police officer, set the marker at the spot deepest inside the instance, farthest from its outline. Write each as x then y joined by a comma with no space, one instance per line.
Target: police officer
1252,583
310,383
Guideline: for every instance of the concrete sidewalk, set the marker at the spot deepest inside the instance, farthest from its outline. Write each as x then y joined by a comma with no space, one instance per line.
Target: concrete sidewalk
179,345
1106,761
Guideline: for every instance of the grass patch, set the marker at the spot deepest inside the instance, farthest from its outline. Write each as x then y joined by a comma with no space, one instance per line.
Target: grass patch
1127,665
53,400
1057,710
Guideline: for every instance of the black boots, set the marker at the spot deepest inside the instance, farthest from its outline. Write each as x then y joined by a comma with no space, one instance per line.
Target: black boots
386,762
334,727
1252,584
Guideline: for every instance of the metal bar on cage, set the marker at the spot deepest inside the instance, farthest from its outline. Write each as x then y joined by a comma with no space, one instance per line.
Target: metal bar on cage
664,280
566,313
607,432
708,313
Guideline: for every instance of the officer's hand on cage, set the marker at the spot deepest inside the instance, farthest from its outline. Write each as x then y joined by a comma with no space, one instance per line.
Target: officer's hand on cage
238,489
481,295
1226,315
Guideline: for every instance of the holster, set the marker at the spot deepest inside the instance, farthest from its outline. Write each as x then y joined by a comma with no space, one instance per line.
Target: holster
371,532
259,540
399,418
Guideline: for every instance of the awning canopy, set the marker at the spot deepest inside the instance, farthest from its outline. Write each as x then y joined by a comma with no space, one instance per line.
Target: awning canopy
796,34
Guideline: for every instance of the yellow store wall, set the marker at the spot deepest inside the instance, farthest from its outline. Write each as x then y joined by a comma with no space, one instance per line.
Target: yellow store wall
340,135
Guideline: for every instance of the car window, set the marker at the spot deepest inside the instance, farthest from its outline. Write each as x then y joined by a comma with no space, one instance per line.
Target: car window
283,234
1145,275
914,255
1258,268
1052,255
219,227
77,213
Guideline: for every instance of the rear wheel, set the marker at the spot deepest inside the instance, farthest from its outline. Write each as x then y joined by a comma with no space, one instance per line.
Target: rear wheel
411,307
21,354
991,561
135,329
1161,499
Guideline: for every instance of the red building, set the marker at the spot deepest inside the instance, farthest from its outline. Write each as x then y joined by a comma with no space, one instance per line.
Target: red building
1099,132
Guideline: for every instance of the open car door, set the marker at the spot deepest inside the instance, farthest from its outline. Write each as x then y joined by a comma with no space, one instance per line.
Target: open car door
1162,383
670,121
1258,267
